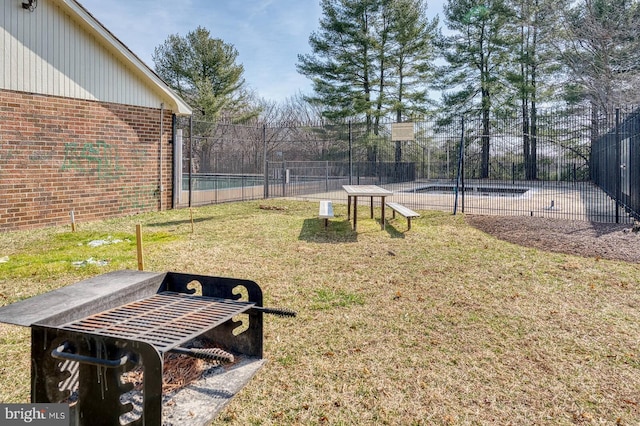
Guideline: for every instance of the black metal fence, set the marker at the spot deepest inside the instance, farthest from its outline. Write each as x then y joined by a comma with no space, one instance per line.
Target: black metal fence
615,161
506,166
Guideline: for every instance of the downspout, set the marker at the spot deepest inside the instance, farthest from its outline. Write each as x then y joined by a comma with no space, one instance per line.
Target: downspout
176,181
161,133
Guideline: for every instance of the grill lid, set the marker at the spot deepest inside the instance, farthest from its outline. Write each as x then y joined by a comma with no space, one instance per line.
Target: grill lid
165,320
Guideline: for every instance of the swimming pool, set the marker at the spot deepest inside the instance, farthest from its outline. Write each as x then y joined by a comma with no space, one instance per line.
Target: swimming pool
475,189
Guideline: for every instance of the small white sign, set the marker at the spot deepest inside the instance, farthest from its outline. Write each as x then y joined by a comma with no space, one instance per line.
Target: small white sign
402,132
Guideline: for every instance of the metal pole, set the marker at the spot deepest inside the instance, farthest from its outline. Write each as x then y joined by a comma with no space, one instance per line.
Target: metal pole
177,161
190,157
266,163
460,164
350,154
618,168
284,177
462,154
326,178
161,152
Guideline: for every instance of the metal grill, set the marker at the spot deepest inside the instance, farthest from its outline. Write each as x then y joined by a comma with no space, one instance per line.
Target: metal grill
165,320
88,336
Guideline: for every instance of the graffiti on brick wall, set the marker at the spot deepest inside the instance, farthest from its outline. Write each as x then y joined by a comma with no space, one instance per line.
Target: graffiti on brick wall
41,156
140,152
142,197
7,155
99,158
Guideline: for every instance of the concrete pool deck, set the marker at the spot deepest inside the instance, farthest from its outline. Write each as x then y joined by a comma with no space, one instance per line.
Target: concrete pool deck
557,200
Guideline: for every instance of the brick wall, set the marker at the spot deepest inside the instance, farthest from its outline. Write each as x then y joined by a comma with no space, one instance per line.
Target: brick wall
98,159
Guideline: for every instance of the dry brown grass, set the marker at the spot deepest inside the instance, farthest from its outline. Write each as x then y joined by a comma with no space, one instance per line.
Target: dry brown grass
440,325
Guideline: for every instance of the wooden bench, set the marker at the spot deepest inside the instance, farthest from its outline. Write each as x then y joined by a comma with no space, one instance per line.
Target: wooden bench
403,211
325,212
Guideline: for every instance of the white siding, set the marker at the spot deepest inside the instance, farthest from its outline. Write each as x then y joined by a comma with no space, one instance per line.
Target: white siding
47,52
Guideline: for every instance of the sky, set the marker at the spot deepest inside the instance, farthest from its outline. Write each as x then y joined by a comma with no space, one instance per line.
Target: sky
268,34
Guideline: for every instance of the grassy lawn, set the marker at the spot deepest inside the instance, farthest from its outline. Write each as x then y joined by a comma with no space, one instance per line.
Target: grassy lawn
441,325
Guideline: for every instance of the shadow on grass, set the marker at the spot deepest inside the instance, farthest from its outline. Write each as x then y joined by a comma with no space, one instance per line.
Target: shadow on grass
338,231
393,231
181,222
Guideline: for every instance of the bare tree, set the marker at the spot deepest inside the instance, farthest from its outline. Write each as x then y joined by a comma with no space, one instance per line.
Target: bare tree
600,48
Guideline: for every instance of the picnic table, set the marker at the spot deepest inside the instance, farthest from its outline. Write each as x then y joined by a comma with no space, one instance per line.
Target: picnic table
371,191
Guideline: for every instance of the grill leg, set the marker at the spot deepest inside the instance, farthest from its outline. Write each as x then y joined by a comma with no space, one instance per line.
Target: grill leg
98,388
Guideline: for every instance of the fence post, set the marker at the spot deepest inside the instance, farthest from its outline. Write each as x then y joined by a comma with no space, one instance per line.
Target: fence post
266,162
190,157
460,173
617,168
350,154
462,155
243,178
326,176
284,177
177,161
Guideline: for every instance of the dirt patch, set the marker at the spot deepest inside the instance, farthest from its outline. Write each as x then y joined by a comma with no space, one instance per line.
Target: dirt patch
588,239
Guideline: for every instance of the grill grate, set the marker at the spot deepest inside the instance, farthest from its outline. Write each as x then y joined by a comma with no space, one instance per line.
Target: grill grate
165,320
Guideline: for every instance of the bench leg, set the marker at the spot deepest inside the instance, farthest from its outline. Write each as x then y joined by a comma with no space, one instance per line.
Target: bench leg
326,223
409,223
355,213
